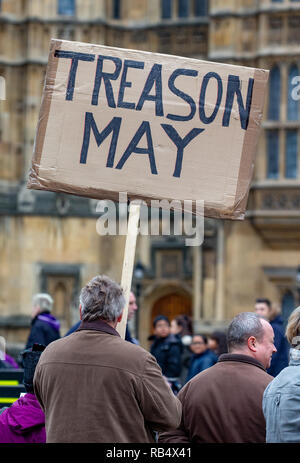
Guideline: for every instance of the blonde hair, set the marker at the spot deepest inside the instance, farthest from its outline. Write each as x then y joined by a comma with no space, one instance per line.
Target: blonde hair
292,331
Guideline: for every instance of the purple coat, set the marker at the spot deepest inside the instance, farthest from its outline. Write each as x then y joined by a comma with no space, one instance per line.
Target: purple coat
23,422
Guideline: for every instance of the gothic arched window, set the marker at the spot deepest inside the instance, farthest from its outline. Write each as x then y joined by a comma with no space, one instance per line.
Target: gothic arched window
166,9
66,7
291,154
183,8
274,94
200,7
116,9
272,154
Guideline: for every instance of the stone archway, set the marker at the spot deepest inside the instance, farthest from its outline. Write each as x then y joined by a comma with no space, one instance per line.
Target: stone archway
171,306
170,297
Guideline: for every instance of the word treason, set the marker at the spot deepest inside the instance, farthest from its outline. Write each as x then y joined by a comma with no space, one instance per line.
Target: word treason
153,92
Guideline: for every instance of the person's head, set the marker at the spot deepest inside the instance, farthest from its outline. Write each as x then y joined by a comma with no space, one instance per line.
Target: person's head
41,302
218,342
250,334
30,358
263,307
161,326
199,344
132,307
102,298
293,328
174,327
182,325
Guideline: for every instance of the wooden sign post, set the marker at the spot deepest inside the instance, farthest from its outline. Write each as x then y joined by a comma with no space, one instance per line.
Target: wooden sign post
158,127
128,262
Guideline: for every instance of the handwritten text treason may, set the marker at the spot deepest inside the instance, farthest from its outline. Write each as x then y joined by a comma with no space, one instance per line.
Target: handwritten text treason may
115,76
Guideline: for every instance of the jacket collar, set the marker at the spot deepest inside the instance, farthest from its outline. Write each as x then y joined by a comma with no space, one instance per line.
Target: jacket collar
45,313
47,317
98,325
240,358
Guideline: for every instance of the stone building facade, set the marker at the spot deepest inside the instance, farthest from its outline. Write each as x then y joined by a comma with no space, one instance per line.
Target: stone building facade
48,241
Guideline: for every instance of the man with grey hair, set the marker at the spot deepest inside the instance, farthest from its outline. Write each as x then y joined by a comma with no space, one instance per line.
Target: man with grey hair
223,404
44,326
96,387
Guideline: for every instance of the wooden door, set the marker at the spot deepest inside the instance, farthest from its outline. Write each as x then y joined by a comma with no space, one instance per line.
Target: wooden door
171,306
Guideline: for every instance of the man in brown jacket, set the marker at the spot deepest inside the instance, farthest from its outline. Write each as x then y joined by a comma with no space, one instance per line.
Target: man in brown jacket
96,387
223,404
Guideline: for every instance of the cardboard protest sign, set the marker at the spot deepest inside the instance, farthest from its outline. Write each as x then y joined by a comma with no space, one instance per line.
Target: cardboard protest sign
154,126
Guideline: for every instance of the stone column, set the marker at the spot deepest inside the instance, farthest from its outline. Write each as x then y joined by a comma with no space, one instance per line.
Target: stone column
283,117
197,283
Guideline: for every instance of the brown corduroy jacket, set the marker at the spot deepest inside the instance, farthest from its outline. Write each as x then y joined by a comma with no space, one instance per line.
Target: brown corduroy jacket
95,387
223,404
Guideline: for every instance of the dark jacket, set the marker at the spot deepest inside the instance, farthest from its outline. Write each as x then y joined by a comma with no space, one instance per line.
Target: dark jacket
44,329
200,362
186,356
96,387
128,336
167,352
223,404
73,328
280,359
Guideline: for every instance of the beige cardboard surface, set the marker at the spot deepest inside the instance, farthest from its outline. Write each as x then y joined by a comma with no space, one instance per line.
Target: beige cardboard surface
139,107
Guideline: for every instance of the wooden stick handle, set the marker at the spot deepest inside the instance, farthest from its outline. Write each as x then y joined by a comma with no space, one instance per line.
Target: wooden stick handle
128,262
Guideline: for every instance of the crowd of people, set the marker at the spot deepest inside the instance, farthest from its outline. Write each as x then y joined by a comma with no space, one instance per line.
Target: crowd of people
180,352
92,386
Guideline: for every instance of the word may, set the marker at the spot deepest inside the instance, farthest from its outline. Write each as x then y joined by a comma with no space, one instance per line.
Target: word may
153,83
143,130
